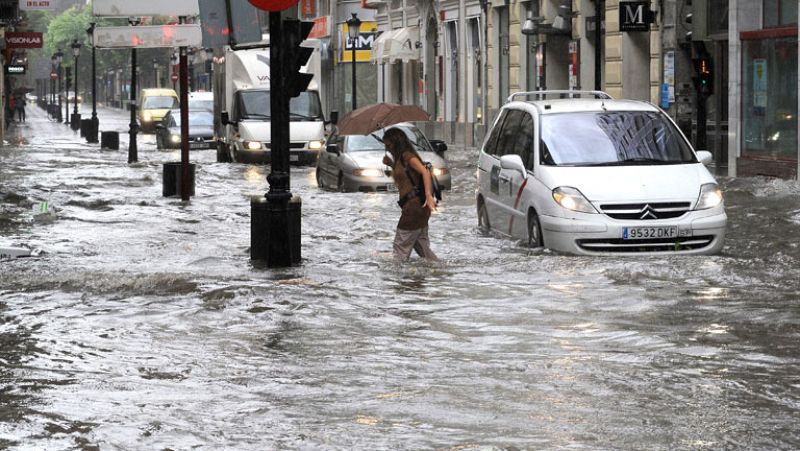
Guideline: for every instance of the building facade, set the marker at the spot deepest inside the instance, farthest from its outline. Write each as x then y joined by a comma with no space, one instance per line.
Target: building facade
711,64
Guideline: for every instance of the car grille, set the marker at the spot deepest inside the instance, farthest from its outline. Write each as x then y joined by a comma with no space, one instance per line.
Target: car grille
619,245
646,211
291,145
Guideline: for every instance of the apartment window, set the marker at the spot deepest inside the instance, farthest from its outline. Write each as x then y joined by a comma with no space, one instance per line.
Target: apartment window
780,13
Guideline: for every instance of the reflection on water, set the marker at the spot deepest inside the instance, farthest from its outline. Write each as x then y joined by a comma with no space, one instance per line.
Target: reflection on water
145,326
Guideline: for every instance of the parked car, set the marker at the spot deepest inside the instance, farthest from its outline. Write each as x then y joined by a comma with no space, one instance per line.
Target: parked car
355,162
593,175
201,130
154,104
201,100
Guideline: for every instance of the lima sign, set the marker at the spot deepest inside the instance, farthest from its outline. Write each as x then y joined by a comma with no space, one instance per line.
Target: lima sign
635,16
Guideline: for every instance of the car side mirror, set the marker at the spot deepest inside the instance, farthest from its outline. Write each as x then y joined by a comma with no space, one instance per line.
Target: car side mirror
332,148
513,163
439,146
159,125
705,157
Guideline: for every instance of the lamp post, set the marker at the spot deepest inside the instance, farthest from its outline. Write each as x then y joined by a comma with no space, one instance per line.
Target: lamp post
91,135
353,25
529,29
133,151
155,72
59,56
53,78
76,118
191,61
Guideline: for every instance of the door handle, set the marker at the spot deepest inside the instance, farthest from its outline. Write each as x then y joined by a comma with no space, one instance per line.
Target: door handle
504,179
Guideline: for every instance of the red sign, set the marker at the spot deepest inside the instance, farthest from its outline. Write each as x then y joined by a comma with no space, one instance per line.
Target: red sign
54,75
174,77
308,7
24,39
273,5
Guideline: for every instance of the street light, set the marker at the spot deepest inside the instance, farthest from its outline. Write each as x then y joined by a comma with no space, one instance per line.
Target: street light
54,67
59,58
91,135
530,29
353,25
133,150
76,118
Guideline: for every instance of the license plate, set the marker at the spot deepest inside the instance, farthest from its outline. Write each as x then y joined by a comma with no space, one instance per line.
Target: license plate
294,157
198,145
391,187
639,233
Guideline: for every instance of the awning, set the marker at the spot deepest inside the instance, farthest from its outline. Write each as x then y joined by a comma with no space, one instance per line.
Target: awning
396,45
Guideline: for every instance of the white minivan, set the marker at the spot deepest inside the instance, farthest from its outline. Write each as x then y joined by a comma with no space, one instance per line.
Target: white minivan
581,173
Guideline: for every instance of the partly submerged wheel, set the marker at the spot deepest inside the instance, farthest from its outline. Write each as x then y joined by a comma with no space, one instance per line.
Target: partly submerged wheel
340,185
534,230
320,185
483,218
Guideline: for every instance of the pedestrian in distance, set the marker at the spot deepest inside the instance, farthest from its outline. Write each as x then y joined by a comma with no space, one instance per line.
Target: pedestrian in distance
416,196
21,109
11,108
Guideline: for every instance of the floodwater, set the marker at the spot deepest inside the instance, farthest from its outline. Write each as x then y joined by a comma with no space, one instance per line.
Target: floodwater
142,324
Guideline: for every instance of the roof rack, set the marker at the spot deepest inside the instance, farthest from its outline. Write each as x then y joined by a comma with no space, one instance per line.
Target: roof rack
562,94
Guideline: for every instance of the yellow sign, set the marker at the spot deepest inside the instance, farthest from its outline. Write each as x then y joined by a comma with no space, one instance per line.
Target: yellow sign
367,33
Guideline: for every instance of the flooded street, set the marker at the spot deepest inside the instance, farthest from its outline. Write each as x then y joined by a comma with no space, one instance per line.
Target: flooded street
143,324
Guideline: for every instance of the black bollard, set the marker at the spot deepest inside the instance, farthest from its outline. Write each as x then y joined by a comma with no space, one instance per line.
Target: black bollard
275,231
109,140
172,179
85,125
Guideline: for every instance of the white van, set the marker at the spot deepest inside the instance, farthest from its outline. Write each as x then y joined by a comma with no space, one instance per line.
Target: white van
242,112
582,173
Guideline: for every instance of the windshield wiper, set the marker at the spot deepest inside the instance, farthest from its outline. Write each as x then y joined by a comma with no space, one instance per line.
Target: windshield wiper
302,116
633,162
256,115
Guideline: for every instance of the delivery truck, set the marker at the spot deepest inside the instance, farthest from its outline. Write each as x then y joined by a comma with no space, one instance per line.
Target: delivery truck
242,111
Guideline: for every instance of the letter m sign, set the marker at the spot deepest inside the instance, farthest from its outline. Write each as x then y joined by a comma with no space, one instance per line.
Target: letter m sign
635,16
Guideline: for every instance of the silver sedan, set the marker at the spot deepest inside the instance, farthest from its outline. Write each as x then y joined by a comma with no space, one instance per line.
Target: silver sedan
353,163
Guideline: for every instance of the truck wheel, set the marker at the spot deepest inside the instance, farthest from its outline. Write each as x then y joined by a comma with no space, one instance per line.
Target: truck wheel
340,186
159,145
222,154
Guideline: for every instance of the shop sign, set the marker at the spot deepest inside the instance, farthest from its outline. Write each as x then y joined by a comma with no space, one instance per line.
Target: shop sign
23,40
635,16
15,69
36,5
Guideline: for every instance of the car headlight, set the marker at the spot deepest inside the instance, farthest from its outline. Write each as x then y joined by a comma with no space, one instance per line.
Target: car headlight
147,117
572,199
175,139
315,145
252,145
368,172
710,196
438,172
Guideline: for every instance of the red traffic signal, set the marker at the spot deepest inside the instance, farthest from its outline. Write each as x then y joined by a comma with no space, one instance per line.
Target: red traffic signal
273,5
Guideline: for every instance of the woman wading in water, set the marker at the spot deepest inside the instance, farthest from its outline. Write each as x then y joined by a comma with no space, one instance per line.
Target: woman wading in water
416,199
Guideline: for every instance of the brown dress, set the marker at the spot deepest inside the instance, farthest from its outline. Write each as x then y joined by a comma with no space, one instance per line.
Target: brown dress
412,216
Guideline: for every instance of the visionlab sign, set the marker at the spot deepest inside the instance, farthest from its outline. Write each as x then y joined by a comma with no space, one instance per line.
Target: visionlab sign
23,40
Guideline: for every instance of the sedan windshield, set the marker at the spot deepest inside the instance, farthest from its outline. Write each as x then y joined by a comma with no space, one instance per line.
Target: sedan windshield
196,119
612,138
256,105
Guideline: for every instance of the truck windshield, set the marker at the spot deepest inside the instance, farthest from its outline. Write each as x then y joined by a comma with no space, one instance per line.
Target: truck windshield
256,105
613,138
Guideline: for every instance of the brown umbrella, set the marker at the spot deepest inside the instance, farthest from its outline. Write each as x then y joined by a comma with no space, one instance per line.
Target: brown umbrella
373,117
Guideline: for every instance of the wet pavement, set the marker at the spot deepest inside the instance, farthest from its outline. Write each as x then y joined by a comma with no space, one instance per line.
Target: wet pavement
144,325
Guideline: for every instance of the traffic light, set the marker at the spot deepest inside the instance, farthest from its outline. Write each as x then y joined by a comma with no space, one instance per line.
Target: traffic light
295,56
704,77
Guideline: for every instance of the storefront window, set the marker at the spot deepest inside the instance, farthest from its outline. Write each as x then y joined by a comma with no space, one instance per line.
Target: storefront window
769,97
